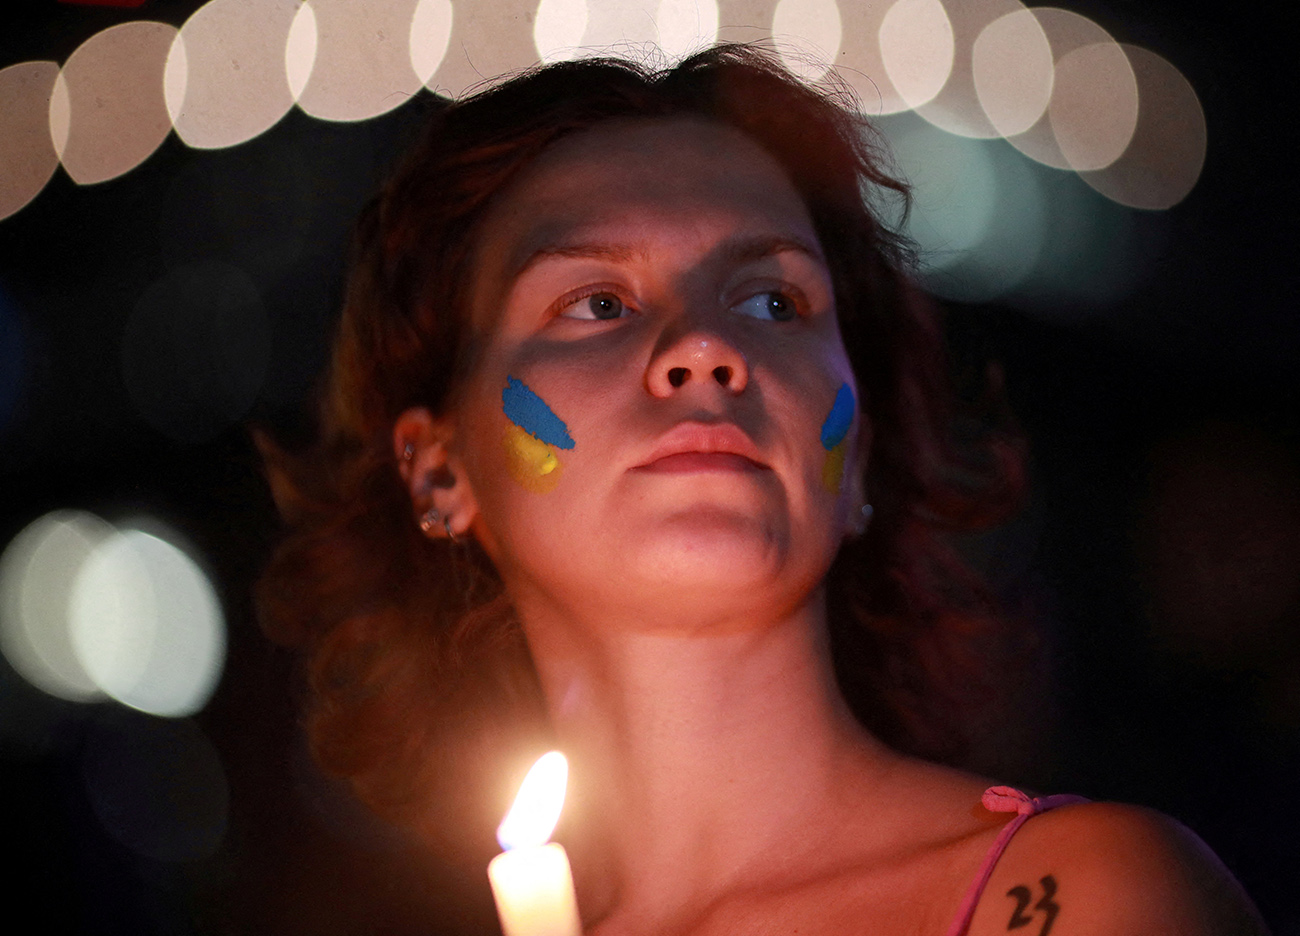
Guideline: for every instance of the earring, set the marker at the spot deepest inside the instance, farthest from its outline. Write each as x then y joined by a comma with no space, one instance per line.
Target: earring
429,521
863,520
446,525
408,451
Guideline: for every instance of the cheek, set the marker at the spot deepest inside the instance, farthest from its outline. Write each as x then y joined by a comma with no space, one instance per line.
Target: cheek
535,438
834,437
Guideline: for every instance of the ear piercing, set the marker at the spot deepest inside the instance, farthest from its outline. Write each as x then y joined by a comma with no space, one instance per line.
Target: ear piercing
408,452
863,520
429,522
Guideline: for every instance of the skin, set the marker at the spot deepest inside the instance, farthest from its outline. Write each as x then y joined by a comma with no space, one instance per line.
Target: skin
676,618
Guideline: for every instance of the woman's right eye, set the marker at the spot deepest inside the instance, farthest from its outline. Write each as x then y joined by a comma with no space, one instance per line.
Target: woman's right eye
600,306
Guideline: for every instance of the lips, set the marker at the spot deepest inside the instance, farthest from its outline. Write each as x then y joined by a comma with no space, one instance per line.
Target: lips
696,447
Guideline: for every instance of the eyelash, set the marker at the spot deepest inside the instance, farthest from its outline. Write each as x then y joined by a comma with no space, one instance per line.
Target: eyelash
560,306
568,302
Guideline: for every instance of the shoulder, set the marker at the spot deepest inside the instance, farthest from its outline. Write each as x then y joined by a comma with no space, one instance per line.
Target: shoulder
1097,869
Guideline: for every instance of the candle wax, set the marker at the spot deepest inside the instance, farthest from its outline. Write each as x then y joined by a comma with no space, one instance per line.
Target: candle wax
533,887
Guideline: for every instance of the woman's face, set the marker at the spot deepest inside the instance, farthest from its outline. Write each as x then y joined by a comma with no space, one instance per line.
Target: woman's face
661,409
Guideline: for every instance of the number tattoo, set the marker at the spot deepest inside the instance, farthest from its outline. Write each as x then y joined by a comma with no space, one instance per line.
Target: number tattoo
1023,895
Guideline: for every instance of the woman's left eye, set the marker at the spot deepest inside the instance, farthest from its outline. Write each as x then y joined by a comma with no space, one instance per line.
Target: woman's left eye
599,306
773,306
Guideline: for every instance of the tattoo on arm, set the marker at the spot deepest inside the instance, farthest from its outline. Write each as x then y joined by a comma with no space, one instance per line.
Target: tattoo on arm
1023,896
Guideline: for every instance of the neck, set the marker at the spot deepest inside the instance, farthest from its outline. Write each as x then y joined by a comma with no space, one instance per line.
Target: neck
699,762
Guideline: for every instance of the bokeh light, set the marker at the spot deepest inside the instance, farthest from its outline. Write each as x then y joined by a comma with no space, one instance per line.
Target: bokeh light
978,215
1065,32
860,63
917,49
108,112
430,33
1094,105
37,573
362,66
226,83
1013,70
807,35
559,28
196,349
27,155
489,38
146,625
1165,156
157,787
956,108
685,26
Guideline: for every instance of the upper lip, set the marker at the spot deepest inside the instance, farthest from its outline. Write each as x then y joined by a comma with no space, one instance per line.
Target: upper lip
705,439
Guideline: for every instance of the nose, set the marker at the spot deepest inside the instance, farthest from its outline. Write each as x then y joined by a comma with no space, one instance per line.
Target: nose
697,356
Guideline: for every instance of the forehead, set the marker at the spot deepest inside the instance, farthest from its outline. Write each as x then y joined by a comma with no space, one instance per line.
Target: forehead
633,182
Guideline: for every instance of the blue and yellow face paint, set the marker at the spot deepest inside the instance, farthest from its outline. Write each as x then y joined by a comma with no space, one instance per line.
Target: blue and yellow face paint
834,431
532,437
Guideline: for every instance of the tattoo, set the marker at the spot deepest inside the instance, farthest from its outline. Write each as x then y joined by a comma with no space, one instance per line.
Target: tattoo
1024,895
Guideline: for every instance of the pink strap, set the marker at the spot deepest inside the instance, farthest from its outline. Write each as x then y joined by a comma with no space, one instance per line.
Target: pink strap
1003,799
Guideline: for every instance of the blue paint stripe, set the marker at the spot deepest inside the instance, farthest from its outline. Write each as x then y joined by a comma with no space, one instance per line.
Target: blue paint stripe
530,413
837,423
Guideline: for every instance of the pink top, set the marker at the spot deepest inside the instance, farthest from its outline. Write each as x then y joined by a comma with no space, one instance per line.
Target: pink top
1003,799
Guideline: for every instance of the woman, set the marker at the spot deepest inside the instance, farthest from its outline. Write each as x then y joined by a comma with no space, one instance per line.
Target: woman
636,440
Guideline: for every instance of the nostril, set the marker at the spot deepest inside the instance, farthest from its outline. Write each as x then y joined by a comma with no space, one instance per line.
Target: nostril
677,375
722,374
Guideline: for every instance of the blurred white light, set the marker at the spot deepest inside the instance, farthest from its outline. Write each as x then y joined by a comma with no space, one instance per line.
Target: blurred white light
147,625
226,81
300,50
558,29
807,34
363,59
1164,159
1094,107
624,27
860,63
916,48
489,39
1013,70
956,108
686,26
27,154
1065,31
110,112
430,33
37,572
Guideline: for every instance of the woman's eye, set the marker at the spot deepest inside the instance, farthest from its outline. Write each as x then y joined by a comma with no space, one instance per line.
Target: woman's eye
774,306
600,306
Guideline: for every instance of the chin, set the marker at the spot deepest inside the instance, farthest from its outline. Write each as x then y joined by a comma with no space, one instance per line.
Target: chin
712,551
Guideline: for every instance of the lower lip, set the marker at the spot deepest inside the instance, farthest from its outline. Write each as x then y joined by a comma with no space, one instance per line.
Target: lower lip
688,462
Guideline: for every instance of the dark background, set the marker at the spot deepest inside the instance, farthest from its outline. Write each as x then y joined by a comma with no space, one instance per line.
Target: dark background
1160,551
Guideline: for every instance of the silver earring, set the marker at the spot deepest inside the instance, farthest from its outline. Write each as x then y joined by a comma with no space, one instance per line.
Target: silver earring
863,520
446,525
408,451
429,520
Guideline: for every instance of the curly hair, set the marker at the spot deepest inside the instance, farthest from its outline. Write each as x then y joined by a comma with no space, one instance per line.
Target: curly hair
419,674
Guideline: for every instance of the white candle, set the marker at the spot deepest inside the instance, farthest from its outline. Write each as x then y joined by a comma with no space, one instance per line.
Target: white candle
531,880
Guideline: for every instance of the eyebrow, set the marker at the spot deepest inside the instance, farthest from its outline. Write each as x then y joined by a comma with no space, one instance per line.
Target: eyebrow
736,251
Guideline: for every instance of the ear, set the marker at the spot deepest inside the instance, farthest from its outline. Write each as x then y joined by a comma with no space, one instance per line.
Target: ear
433,473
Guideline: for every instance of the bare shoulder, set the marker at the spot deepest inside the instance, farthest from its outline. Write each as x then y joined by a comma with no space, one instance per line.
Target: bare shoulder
1099,869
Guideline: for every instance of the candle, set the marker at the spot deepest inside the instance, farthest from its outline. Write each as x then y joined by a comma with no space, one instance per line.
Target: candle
531,880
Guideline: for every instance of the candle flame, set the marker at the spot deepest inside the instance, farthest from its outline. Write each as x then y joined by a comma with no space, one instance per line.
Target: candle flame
536,809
